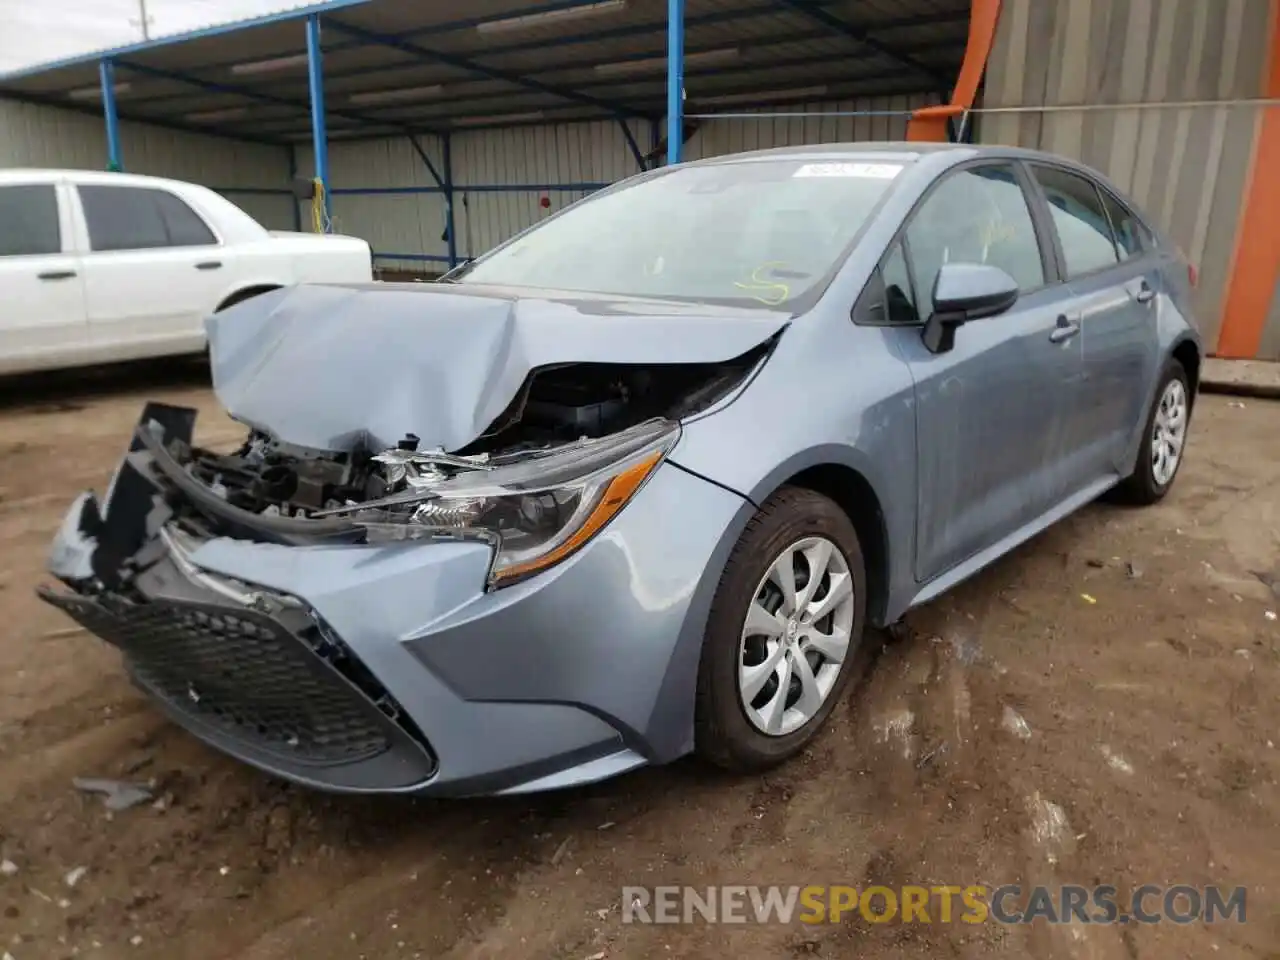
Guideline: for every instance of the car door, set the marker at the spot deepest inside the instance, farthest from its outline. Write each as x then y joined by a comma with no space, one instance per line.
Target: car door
154,269
41,287
991,412
1109,263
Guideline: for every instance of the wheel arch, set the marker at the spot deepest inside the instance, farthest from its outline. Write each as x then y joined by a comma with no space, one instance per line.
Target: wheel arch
1187,353
851,478
855,495
246,293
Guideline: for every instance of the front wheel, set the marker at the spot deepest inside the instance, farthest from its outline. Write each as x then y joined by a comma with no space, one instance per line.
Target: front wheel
784,632
1164,440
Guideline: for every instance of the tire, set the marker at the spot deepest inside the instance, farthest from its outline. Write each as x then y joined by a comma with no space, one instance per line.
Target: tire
725,734
1145,485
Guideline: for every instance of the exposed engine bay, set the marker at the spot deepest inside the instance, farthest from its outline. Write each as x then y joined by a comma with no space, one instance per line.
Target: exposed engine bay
527,483
557,406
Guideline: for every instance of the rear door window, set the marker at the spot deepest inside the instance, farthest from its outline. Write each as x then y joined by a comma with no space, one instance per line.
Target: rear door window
29,220
1084,231
139,218
1133,239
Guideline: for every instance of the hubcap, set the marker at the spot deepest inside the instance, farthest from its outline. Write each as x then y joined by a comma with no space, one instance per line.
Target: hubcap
796,636
1168,433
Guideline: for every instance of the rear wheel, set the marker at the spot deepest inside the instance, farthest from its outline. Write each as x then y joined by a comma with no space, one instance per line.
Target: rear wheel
1164,440
784,633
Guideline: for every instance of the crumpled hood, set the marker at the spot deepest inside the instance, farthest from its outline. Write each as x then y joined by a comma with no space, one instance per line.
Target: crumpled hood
333,367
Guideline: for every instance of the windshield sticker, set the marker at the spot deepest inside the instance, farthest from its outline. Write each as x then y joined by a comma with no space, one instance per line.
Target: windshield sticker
873,171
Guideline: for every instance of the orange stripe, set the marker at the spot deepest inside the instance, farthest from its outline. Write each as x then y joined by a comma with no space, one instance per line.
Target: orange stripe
929,124
1256,263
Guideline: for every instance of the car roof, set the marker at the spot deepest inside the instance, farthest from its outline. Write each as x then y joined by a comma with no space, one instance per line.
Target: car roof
41,175
900,151
906,152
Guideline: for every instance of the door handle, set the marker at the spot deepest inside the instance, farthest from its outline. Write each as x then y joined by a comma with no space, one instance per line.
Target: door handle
1145,294
57,275
1064,331
209,265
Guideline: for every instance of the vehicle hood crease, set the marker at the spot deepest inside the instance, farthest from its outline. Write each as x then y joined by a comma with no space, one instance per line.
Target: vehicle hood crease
336,367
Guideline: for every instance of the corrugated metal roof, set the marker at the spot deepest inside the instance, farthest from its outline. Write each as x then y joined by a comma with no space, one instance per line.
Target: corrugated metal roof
395,66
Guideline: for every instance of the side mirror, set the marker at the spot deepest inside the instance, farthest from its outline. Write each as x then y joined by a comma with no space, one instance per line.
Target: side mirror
964,292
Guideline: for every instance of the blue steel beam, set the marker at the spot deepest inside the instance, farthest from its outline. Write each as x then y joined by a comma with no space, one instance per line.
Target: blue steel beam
426,161
450,233
231,89
884,79
383,112
235,26
629,30
463,63
386,71
631,143
862,34
107,77
319,137
675,79
458,92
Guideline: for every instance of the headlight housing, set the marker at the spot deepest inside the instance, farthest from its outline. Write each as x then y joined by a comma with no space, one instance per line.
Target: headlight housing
536,509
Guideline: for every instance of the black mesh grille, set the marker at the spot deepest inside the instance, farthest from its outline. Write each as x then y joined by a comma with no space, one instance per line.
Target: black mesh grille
241,671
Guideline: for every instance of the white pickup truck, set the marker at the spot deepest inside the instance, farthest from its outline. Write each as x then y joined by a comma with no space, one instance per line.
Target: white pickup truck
99,267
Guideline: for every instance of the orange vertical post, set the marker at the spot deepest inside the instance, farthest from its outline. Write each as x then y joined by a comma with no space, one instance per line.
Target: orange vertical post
1255,266
929,124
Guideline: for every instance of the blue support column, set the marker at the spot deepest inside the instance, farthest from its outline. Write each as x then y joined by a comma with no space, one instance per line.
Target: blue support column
107,76
315,81
675,79
449,224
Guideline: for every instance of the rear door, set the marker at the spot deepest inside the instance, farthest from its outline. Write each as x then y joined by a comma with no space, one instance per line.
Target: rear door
41,287
154,270
991,412
1111,266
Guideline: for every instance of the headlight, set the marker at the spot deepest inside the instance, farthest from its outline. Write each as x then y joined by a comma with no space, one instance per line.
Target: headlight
536,509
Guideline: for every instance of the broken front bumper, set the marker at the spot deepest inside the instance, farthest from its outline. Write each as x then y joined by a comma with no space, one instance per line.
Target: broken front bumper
359,668
265,684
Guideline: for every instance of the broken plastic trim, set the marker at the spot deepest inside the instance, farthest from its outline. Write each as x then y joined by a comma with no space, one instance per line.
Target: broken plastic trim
282,530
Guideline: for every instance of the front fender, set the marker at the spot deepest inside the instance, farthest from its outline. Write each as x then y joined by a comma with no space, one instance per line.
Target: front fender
849,402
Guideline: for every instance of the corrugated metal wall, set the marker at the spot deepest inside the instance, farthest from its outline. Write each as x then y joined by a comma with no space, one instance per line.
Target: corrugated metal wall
390,209
38,136
581,154
1187,166
884,118
378,187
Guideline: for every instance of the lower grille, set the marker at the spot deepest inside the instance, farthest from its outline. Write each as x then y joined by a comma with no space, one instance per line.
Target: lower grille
241,672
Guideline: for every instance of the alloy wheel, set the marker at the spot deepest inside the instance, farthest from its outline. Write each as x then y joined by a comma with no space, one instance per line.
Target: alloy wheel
1169,432
795,636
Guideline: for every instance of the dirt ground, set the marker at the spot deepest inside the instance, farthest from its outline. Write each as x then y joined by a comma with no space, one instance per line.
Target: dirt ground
1135,644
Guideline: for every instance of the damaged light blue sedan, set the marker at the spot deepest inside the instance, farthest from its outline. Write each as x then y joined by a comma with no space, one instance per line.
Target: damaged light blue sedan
637,482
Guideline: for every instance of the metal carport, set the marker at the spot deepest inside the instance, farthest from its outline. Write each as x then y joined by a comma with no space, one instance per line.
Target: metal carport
312,80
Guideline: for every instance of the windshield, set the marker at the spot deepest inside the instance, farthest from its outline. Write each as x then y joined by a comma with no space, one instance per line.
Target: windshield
755,232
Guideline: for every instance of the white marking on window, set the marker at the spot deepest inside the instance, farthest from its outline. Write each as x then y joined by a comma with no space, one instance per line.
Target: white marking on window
874,171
